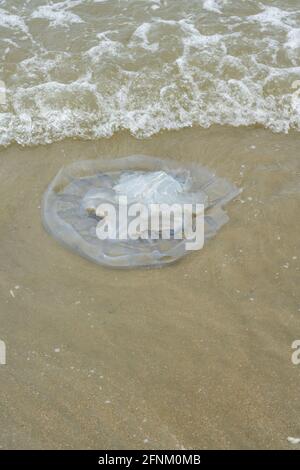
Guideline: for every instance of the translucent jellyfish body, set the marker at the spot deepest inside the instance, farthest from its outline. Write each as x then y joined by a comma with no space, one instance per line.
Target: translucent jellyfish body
72,206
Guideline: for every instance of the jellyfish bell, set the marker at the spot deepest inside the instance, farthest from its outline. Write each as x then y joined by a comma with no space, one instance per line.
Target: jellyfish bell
92,208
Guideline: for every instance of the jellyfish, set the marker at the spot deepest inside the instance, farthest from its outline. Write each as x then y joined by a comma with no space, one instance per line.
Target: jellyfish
83,208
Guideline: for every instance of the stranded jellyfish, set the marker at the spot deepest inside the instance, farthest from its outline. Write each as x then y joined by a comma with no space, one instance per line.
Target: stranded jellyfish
86,205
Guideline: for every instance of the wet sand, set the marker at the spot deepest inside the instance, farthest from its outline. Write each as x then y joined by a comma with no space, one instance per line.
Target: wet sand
194,355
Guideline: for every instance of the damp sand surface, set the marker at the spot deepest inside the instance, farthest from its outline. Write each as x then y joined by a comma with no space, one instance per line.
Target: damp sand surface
194,355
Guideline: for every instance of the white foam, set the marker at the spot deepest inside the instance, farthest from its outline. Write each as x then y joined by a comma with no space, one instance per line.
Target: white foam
213,5
271,15
8,20
58,14
293,37
140,37
106,46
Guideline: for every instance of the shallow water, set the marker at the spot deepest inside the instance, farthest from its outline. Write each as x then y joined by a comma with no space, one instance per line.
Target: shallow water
80,68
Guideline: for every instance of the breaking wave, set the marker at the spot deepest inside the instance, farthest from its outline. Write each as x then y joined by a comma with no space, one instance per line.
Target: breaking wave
86,69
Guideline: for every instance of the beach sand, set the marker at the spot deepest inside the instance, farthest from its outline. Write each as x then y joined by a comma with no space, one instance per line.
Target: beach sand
194,355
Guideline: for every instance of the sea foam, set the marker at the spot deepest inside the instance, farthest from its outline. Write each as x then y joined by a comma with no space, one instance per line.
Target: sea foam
88,69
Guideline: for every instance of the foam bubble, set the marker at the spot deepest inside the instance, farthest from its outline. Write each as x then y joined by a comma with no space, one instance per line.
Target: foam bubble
57,13
271,15
293,39
8,20
213,5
